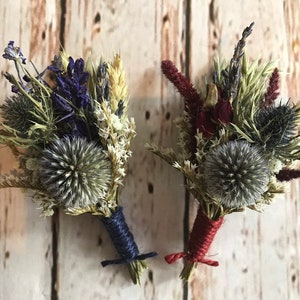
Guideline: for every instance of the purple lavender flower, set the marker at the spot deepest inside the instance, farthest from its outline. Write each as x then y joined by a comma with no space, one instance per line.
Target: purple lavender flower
69,95
14,53
10,78
103,89
71,90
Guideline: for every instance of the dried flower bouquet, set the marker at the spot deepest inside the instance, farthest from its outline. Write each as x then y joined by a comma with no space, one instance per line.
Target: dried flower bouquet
237,145
68,128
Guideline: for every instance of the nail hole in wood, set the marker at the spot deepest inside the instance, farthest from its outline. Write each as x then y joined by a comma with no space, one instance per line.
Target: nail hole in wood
166,18
97,18
147,114
150,188
150,276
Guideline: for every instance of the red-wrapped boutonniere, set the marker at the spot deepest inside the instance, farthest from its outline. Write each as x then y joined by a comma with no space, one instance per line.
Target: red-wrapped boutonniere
237,145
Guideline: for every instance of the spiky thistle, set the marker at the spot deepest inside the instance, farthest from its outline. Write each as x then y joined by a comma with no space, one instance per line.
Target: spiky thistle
236,174
277,126
17,113
75,172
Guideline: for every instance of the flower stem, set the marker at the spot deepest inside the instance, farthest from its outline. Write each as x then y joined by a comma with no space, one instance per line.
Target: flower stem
136,269
187,270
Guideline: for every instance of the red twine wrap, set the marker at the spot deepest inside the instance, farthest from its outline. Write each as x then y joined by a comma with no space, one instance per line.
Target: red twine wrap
201,237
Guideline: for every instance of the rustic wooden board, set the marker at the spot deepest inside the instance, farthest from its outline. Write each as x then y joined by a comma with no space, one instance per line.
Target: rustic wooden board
25,238
59,257
258,253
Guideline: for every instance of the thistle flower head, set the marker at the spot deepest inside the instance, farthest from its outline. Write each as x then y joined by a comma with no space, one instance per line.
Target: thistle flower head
277,125
17,113
75,172
236,174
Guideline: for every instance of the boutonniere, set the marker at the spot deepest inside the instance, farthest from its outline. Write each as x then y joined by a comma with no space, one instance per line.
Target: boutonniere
69,130
236,144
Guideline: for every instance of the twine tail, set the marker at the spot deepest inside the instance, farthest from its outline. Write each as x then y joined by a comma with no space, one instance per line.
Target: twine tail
171,258
122,239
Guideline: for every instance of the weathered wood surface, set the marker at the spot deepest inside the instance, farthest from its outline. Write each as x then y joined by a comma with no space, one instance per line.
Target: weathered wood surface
58,258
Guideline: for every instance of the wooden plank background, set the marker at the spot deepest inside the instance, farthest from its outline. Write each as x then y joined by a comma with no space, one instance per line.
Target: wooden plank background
58,257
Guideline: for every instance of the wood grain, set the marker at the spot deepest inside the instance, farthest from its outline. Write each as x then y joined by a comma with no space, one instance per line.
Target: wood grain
25,238
59,257
258,255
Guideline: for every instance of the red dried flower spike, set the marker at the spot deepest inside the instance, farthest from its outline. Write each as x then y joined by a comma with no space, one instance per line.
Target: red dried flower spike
204,116
273,89
201,237
183,85
192,99
288,174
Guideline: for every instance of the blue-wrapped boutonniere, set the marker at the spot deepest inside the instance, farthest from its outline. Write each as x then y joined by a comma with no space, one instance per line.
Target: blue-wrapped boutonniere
68,128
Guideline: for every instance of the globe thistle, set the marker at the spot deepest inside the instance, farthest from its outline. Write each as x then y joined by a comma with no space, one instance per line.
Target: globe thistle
236,174
17,113
276,125
75,172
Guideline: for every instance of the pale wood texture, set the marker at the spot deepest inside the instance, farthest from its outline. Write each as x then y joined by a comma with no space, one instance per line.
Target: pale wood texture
59,257
25,238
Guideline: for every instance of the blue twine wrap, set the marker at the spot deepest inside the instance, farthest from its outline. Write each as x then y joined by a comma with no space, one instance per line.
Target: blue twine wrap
122,239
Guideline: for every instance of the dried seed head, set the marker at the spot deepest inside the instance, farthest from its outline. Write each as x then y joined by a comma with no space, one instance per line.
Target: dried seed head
236,174
75,172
